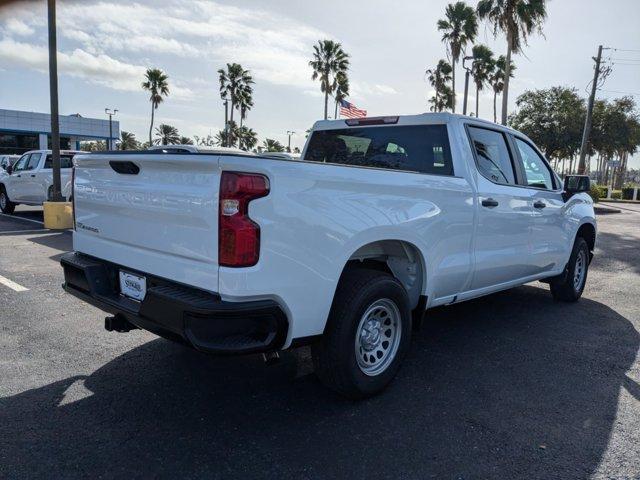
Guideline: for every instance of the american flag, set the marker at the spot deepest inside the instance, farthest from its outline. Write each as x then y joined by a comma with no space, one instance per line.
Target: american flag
349,110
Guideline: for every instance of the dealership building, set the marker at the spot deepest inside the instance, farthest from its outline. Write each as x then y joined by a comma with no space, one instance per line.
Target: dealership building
24,131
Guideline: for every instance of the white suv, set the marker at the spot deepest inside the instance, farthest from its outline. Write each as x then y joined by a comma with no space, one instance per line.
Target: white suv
30,180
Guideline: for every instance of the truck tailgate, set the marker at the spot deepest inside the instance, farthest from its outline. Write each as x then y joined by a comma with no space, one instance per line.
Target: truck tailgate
154,213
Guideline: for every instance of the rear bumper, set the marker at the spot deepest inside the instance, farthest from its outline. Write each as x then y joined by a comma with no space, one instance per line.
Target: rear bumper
185,314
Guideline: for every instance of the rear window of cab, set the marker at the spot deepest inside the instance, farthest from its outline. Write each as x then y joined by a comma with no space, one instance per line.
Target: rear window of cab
412,148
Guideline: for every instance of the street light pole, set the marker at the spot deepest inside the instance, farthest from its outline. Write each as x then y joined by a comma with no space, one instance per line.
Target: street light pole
111,113
466,83
56,194
289,144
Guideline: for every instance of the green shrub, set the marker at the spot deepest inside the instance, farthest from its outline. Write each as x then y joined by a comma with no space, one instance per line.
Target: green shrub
595,192
602,190
616,194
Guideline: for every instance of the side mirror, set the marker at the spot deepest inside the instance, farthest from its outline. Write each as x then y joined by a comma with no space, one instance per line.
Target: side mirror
576,184
9,169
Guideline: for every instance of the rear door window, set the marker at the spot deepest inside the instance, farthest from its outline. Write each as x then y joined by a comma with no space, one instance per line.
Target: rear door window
492,155
34,160
413,148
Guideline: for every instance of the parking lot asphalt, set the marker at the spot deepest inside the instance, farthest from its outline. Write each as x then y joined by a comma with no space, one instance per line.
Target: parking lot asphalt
509,386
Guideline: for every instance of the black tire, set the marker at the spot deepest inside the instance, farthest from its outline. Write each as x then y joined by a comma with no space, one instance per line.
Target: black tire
50,193
566,287
6,205
336,356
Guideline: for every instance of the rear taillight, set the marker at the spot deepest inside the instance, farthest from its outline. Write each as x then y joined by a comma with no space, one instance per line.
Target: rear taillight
73,197
238,235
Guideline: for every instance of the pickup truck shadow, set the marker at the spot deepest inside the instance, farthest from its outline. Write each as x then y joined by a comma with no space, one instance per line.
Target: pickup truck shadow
508,386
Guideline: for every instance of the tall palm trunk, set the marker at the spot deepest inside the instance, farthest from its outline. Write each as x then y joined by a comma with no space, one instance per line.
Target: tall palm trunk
507,76
495,96
153,107
335,115
477,101
326,104
453,86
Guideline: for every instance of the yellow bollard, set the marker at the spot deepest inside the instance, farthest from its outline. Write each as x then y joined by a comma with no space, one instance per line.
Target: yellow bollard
58,215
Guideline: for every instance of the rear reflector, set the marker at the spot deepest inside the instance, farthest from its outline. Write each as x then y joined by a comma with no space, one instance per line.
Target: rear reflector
238,235
356,122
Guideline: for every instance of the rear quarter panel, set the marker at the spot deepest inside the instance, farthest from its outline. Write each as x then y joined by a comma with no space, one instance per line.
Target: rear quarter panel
316,216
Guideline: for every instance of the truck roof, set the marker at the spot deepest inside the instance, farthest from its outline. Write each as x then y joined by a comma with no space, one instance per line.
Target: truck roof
389,120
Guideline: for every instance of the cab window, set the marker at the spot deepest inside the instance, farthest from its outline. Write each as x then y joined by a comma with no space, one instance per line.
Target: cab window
536,171
411,148
492,155
21,164
66,161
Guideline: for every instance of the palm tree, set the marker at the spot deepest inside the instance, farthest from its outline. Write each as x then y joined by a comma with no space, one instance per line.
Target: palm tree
247,138
439,79
459,29
443,100
342,90
329,62
235,84
166,135
185,141
128,141
517,19
497,80
245,102
481,70
155,83
270,145
229,136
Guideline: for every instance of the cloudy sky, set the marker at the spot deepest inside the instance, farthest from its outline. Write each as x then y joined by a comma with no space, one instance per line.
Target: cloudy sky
105,47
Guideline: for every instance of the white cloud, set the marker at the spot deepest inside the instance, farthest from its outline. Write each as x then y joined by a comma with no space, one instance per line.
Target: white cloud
100,69
18,27
273,47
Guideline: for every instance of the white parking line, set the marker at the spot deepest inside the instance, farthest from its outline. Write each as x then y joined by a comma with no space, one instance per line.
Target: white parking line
15,217
12,285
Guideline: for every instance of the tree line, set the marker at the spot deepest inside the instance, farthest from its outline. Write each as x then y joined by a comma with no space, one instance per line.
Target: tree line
554,119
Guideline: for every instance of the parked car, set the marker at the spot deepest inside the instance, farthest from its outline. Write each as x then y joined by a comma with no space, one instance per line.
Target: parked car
6,161
30,179
345,249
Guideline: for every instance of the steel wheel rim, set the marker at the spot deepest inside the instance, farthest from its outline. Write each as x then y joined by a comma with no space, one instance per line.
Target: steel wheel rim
580,270
378,337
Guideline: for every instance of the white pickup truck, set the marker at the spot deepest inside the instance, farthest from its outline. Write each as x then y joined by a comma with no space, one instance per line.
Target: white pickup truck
30,179
345,249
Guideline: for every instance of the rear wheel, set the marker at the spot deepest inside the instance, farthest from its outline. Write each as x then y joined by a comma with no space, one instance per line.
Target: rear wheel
6,205
367,334
569,286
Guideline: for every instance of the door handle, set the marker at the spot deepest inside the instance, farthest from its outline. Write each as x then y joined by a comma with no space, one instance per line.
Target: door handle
33,176
489,202
539,204
18,175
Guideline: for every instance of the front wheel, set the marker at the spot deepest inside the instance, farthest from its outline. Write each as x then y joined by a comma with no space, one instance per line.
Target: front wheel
569,286
367,334
6,205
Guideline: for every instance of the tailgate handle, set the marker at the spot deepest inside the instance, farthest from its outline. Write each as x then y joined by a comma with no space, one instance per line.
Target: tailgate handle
126,168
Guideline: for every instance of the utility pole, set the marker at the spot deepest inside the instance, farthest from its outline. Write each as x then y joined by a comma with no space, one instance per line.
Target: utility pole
587,123
111,113
289,144
53,95
466,83
226,123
